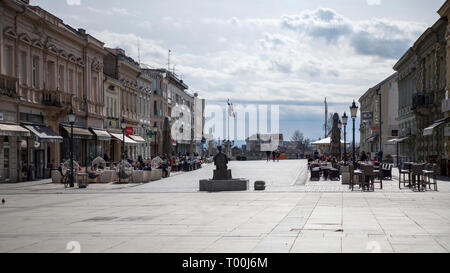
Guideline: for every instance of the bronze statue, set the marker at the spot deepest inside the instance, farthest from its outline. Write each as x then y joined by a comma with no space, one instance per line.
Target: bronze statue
335,137
220,161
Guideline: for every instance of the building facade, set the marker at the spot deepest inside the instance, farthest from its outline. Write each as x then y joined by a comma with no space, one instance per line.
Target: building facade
47,68
444,12
144,99
422,83
181,102
158,108
371,114
124,70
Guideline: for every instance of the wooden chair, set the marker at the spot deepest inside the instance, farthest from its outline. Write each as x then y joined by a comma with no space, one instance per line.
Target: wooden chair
315,174
430,176
369,175
387,171
356,173
418,181
403,171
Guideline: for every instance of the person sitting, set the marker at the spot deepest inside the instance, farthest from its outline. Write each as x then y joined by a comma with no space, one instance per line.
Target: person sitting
93,173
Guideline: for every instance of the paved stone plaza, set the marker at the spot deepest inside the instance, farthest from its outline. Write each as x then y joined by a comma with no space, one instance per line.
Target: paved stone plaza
170,215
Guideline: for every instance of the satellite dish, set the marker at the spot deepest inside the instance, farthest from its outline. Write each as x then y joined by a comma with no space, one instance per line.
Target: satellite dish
37,144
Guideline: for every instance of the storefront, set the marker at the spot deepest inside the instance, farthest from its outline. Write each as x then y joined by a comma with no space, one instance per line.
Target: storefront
83,142
130,144
11,137
103,138
141,146
34,150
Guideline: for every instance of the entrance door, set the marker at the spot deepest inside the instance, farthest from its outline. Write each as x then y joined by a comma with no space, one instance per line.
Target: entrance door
39,164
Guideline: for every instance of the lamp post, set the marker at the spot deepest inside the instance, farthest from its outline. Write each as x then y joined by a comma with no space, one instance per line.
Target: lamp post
72,117
340,144
344,122
124,126
155,129
354,114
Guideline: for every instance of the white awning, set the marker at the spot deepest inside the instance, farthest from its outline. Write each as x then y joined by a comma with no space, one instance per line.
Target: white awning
397,140
138,138
13,130
44,134
80,133
326,141
101,135
127,139
429,130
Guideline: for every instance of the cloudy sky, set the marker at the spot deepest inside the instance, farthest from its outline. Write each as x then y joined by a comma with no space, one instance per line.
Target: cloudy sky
293,53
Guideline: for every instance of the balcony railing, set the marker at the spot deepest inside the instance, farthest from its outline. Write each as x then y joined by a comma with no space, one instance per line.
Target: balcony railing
56,98
8,86
445,105
422,100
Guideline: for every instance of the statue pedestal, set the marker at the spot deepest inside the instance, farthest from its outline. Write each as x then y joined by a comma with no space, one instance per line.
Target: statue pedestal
211,185
222,175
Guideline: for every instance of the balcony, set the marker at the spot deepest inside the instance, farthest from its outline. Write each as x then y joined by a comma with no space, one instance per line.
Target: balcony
56,99
445,105
421,102
8,86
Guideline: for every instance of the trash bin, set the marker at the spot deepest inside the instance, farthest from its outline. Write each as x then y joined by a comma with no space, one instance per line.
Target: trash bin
82,180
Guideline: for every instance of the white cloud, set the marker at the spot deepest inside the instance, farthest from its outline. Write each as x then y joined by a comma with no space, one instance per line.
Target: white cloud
373,2
111,11
73,2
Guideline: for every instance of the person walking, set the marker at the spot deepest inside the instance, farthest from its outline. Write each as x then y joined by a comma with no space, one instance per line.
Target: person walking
268,156
274,155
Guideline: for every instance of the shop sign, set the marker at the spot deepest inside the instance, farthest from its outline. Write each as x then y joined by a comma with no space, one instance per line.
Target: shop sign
129,131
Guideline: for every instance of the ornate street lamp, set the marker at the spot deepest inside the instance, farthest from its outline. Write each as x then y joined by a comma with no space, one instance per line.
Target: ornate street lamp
72,117
155,129
124,126
340,144
344,122
354,114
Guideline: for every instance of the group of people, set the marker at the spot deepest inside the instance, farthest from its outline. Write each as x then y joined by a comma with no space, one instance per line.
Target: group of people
275,155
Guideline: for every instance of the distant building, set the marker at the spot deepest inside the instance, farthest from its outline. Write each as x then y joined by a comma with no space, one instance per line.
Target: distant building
370,117
261,143
422,85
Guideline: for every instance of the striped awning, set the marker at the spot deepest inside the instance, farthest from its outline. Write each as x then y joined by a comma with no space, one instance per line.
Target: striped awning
138,139
44,134
13,130
80,133
101,134
127,139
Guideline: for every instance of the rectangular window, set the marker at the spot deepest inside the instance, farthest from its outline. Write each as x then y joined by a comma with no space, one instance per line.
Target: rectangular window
155,108
155,89
71,82
80,85
94,89
35,71
7,56
23,67
51,75
61,78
